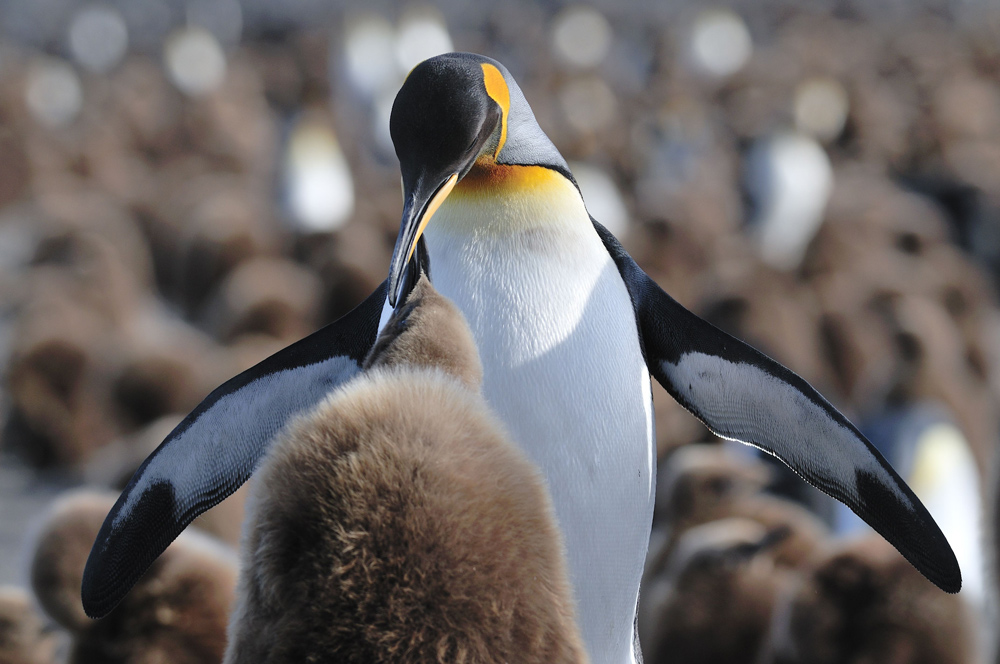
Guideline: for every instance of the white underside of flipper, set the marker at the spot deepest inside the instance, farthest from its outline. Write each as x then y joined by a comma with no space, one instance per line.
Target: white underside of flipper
251,416
564,370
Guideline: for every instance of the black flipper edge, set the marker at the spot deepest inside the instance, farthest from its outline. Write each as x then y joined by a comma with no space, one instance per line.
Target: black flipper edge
216,448
741,394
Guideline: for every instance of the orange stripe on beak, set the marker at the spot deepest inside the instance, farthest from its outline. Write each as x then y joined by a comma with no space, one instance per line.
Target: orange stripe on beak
432,207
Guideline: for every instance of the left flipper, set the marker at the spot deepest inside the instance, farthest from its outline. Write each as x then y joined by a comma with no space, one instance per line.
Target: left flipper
216,448
741,394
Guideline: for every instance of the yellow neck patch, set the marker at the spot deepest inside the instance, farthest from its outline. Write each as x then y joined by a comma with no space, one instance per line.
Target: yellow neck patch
496,88
503,180
498,199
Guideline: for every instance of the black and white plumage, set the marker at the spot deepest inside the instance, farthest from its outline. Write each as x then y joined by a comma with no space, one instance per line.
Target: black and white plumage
215,449
569,329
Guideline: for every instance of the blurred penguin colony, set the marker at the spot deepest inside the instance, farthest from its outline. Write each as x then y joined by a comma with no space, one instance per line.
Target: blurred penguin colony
187,188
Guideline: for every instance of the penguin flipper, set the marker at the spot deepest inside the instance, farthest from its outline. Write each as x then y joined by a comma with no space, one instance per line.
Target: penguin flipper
741,394
217,447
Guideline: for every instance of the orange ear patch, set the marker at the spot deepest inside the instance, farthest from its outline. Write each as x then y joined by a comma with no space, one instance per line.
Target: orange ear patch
496,88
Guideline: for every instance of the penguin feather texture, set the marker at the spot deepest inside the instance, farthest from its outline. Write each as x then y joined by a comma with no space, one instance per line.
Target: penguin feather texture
397,523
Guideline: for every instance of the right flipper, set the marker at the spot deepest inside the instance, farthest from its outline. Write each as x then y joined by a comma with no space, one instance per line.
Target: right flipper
741,394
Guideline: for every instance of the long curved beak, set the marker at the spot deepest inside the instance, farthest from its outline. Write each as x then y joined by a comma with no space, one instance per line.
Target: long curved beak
419,206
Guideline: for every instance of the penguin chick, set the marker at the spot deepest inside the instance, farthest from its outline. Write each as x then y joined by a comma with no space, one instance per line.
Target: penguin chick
264,295
54,379
23,636
804,537
720,587
177,612
428,332
863,603
223,226
702,483
397,523
699,482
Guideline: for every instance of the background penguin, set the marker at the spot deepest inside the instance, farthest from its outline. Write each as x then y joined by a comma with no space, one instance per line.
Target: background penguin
571,329
698,482
710,484
702,483
177,612
24,638
722,584
862,603
396,523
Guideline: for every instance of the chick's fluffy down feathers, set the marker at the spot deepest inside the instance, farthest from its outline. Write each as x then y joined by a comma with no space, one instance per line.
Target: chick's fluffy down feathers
397,523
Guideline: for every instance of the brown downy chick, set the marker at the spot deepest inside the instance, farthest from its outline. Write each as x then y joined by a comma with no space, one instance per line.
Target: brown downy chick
428,332
699,483
702,483
271,296
176,613
863,603
55,379
397,523
721,584
23,636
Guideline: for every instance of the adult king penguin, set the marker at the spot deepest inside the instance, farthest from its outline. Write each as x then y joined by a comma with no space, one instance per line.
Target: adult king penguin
569,329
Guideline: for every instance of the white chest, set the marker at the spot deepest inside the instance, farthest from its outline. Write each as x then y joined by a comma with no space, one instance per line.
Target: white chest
563,369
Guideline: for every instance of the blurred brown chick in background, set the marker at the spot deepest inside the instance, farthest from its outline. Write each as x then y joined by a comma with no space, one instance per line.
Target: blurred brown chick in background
178,612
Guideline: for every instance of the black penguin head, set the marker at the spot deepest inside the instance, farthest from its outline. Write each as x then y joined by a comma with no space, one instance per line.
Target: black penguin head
448,112
451,110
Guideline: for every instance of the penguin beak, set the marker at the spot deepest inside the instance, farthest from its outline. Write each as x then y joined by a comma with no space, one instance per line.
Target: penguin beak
420,202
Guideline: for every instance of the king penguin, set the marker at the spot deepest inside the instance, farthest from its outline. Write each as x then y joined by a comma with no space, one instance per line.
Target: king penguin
569,329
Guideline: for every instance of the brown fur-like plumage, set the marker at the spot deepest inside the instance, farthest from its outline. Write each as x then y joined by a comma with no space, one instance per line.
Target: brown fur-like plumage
862,604
699,483
396,523
715,603
428,332
176,613
720,613
702,483
23,637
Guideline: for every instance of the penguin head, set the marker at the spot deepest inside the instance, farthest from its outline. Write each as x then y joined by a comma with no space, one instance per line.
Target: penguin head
454,112
722,547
